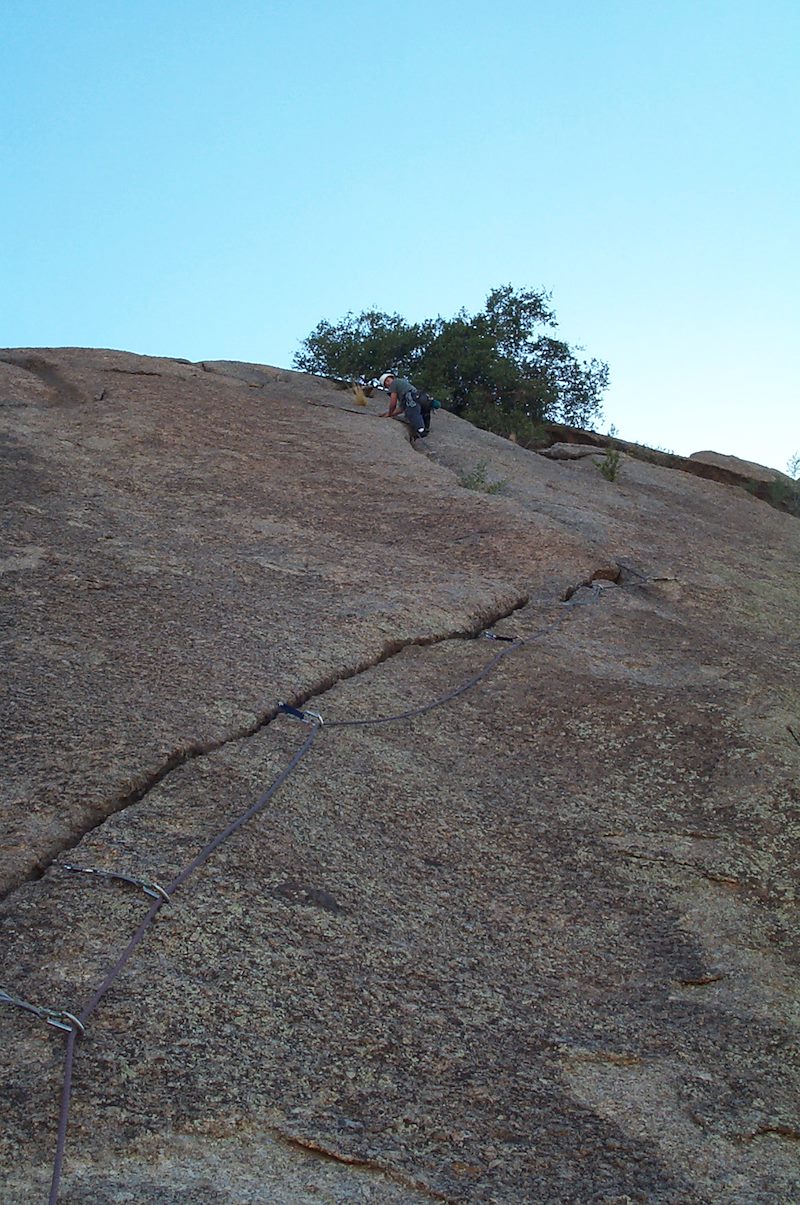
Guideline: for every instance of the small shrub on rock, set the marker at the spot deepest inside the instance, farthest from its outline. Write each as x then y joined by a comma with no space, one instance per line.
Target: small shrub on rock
476,479
609,465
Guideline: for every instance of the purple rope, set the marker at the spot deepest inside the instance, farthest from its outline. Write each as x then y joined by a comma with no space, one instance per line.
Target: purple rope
223,836
136,940
63,1117
438,702
458,690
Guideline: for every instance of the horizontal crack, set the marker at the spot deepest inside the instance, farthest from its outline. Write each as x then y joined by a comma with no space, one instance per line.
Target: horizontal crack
767,1131
196,749
134,372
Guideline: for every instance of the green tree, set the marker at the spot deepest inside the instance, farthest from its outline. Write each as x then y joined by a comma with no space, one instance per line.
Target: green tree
495,367
350,349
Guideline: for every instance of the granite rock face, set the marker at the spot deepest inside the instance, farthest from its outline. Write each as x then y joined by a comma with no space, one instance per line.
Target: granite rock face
571,451
534,940
749,470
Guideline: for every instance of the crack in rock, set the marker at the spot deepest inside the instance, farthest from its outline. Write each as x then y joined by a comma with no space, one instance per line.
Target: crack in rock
704,980
134,372
772,1131
715,876
148,780
610,575
313,1147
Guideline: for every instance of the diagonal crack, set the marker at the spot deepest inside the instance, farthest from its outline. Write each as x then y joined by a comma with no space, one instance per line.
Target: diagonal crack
667,860
320,1150
189,752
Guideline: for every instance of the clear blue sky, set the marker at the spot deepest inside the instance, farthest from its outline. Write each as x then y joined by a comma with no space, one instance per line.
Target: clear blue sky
209,179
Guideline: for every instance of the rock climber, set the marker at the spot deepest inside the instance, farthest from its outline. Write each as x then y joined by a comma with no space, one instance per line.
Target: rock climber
407,402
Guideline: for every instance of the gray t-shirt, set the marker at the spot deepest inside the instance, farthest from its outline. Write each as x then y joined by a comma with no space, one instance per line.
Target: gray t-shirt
401,386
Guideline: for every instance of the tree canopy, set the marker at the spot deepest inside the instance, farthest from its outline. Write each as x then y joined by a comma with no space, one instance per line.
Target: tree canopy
496,367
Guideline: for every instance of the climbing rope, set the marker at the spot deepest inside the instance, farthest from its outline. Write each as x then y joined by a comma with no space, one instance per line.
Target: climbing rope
203,856
465,686
76,1024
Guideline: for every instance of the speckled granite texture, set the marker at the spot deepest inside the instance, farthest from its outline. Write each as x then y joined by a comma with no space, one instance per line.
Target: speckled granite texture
534,945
